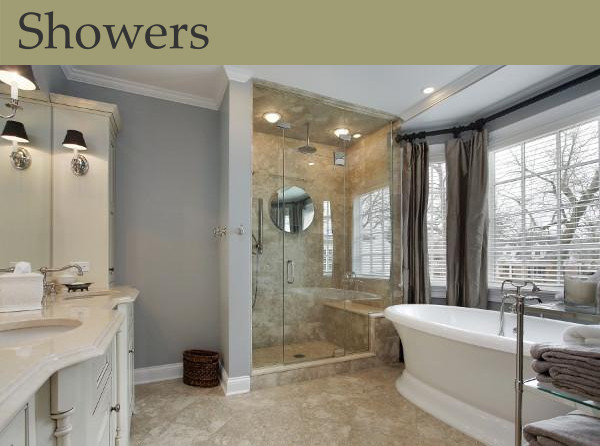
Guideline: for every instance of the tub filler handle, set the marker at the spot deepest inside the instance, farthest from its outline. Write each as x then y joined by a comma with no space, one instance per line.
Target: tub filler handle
290,271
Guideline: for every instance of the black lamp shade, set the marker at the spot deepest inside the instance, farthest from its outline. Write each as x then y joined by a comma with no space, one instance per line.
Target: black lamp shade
74,140
15,131
22,75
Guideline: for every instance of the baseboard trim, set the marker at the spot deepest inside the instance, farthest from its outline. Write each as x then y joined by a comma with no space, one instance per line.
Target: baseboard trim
158,373
234,386
165,372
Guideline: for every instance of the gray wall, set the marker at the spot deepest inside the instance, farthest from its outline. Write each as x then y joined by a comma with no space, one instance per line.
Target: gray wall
50,78
223,218
236,208
167,199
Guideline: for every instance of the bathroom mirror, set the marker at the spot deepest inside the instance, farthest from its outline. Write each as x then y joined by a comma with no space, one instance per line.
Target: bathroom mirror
26,194
292,209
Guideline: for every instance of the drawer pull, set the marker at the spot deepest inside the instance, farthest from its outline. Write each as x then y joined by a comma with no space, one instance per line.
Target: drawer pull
116,408
132,350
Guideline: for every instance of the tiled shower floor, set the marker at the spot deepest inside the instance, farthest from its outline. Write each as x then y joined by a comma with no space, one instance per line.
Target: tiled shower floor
310,351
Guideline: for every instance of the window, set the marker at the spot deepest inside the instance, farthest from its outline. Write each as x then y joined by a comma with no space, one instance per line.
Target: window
545,207
372,229
436,223
327,239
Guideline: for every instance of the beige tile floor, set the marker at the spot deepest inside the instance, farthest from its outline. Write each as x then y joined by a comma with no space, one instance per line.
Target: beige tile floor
267,356
360,408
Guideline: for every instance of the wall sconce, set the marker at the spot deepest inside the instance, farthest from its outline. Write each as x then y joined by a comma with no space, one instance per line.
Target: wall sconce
19,77
74,140
15,131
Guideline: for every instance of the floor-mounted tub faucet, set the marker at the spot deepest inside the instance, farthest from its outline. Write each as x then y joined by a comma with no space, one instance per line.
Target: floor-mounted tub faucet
518,284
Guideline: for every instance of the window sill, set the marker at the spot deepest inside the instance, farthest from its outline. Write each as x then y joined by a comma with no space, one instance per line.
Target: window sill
439,292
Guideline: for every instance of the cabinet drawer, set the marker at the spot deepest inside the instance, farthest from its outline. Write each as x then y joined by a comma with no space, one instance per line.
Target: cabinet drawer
15,434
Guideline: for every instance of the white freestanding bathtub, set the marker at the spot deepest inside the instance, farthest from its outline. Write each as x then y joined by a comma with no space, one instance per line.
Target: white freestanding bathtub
459,370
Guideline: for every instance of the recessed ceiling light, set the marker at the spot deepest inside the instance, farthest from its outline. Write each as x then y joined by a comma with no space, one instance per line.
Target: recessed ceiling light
356,135
428,90
272,117
341,132
311,164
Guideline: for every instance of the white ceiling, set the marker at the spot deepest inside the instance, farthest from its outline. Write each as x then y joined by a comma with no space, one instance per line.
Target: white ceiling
388,88
463,91
501,89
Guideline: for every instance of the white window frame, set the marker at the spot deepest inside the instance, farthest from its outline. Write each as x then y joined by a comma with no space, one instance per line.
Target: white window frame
328,245
357,266
437,154
551,126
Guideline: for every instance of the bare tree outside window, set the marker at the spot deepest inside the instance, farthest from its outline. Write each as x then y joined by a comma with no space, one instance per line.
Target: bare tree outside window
546,207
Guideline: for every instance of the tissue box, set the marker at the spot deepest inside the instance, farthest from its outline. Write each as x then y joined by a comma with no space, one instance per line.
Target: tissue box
20,292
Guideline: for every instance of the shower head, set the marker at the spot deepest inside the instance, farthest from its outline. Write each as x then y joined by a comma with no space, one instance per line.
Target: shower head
307,149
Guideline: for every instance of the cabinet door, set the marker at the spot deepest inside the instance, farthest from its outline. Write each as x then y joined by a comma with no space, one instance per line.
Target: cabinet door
111,209
15,434
131,363
102,420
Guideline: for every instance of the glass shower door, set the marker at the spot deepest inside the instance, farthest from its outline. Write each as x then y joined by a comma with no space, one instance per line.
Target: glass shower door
267,251
313,250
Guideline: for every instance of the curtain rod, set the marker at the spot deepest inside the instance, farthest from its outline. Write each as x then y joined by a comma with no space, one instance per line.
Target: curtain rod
478,125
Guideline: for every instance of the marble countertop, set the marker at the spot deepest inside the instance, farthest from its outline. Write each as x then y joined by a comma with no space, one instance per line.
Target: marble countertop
26,367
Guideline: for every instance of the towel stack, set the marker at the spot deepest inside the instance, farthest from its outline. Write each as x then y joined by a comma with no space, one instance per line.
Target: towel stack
573,367
574,429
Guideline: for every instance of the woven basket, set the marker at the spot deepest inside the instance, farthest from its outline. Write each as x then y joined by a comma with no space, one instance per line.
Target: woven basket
201,368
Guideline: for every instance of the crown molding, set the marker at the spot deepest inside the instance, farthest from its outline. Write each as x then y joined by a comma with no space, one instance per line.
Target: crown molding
102,80
450,89
237,74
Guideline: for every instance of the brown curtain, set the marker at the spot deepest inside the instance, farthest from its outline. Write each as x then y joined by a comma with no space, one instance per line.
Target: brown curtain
467,220
415,194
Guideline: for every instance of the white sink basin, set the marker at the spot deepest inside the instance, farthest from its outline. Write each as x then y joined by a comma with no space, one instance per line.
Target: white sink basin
13,334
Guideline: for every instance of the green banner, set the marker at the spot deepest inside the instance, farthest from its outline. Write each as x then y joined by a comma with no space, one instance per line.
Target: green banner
306,32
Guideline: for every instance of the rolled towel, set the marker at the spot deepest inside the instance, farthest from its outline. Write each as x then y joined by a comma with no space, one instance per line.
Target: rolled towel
573,429
584,356
582,334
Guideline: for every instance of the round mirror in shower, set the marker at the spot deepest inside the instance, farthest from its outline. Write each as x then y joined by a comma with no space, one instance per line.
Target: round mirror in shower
292,209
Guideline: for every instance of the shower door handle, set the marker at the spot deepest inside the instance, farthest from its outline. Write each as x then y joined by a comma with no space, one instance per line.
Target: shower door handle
290,271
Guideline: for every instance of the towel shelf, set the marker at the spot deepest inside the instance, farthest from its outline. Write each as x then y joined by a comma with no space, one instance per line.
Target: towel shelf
587,406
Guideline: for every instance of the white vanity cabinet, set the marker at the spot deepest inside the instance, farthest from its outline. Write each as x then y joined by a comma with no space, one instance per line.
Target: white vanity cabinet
82,401
93,401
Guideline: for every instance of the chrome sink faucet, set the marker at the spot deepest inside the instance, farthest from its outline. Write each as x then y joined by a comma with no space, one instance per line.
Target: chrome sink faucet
518,284
50,288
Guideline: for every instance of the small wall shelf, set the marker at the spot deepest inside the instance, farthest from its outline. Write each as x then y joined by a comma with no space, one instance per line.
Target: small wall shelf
587,406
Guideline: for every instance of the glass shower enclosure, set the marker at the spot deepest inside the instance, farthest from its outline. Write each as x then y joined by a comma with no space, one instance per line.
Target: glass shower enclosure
308,303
